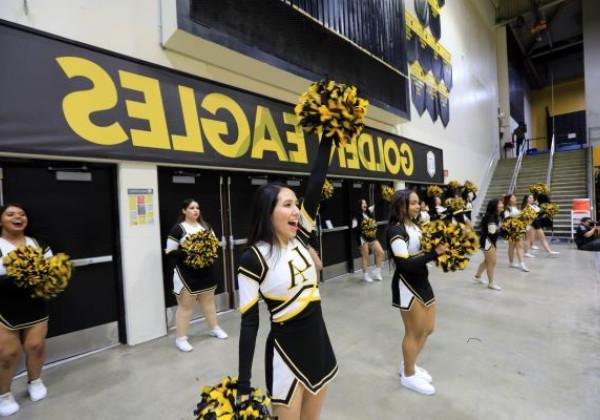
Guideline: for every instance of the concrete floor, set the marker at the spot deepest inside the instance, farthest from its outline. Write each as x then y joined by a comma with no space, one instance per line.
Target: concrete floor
529,352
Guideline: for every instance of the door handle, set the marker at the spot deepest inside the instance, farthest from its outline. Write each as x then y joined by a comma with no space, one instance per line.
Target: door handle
80,262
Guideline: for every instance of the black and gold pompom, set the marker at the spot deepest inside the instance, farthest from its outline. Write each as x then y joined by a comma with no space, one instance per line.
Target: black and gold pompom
454,185
454,204
332,109
528,215
368,228
202,249
26,265
44,278
470,186
57,280
220,402
327,191
539,188
514,228
550,210
387,192
434,191
462,242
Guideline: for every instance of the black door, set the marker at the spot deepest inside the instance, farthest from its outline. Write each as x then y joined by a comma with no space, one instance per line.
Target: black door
72,207
174,186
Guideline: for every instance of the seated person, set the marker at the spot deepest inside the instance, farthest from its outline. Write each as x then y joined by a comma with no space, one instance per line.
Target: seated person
586,235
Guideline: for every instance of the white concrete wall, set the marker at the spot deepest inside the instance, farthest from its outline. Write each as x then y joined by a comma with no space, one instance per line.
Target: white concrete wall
591,59
146,30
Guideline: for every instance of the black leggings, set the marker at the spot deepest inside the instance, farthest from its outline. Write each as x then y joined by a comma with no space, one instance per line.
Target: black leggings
591,246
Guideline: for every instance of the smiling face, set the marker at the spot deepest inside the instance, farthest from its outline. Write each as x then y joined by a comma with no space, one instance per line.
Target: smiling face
530,199
512,201
363,205
500,207
191,212
285,216
14,220
413,206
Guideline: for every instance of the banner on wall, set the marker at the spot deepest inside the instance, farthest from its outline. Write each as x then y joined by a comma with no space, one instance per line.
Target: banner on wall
62,98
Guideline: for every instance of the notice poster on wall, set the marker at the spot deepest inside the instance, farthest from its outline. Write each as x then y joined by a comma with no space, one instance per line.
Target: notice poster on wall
141,206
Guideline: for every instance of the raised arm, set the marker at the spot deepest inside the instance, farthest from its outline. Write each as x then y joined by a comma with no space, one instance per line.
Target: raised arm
312,196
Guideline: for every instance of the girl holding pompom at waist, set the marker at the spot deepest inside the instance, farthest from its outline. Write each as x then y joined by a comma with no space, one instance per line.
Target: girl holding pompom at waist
23,318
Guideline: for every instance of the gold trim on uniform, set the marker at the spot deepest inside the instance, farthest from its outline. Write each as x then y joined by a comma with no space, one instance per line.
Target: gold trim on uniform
30,324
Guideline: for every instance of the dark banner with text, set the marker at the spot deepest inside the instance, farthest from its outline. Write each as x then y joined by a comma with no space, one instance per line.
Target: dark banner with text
61,98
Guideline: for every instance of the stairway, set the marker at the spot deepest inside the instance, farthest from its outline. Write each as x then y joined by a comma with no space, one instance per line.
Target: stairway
534,169
498,185
569,181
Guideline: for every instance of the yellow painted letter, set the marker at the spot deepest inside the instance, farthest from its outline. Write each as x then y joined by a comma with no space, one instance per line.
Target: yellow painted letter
264,125
192,140
214,129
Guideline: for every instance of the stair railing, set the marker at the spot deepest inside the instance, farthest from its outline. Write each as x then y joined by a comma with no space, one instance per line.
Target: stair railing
550,163
515,175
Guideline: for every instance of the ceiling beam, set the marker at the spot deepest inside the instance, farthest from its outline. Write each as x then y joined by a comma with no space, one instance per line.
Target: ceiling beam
558,48
511,19
529,66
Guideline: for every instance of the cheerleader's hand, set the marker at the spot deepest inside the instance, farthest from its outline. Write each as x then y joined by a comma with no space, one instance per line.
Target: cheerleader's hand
441,249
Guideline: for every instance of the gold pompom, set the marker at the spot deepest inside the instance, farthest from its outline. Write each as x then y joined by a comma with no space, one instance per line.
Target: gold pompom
470,186
368,228
44,278
455,204
528,215
550,210
539,188
454,185
434,191
220,402
514,228
387,193
332,109
462,242
327,191
202,249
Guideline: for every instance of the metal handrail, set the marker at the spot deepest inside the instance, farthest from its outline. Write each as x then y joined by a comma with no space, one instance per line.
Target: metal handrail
513,181
550,163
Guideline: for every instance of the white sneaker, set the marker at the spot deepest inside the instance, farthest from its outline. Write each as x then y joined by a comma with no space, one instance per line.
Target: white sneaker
478,280
515,265
8,405
183,344
377,274
367,278
524,267
218,333
419,371
535,247
529,255
417,384
495,287
37,390
554,253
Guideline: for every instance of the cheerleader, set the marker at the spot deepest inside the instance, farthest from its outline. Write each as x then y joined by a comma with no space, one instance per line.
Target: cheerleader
23,319
365,212
539,223
437,210
490,227
511,210
424,216
277,267
191,285
411,291
469,197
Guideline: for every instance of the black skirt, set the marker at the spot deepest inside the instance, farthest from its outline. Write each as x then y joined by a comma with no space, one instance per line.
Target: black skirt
304,346
406,286
197,281
18,310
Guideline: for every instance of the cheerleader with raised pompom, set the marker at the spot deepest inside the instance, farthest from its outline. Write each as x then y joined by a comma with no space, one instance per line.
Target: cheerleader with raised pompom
515,245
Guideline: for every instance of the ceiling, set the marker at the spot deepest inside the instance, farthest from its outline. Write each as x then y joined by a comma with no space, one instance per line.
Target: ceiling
549,37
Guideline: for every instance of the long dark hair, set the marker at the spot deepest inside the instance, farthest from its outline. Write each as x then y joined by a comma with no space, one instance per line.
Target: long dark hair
261,226
17,205
398,214
524,202
506,200
184,205
491,212
359,210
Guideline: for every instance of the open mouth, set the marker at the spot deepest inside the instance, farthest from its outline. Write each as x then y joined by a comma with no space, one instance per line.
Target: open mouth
293,224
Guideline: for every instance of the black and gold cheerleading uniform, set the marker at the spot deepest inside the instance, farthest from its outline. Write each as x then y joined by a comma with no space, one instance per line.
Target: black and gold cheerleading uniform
18,310
410,280
195,280
298,349
490,230
357,221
